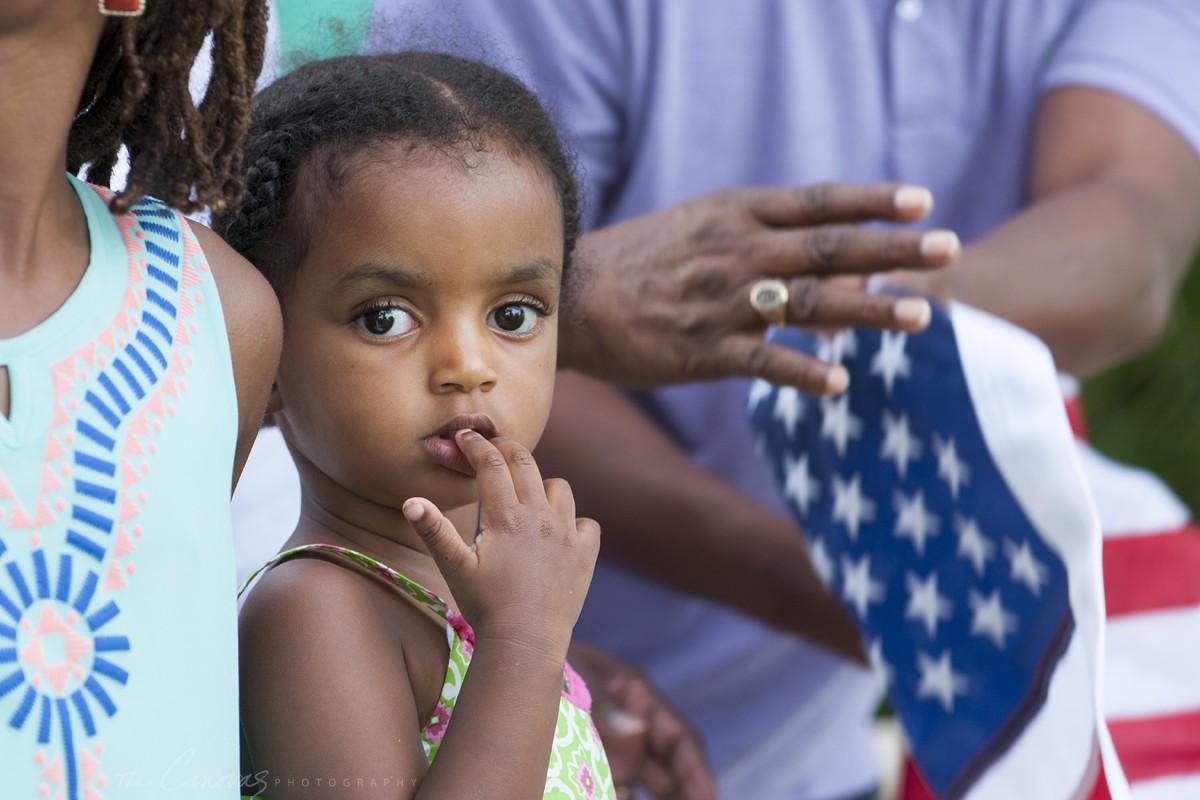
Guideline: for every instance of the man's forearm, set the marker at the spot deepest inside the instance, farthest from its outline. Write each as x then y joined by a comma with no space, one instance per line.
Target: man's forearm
675,523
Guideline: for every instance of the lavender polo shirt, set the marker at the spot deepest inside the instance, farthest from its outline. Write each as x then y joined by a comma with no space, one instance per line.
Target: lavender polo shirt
668,99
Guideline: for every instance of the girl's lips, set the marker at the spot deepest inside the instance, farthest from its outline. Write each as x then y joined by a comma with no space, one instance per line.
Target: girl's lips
445,451
442,447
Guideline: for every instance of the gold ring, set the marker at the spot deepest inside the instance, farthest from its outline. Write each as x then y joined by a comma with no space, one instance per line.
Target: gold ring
769,297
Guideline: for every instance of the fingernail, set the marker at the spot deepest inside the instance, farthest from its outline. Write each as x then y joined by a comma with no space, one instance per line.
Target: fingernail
913,198
913,312
837,379
413,510
940,244
623,723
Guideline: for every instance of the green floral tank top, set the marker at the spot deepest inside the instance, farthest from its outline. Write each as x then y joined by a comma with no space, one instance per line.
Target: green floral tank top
578,767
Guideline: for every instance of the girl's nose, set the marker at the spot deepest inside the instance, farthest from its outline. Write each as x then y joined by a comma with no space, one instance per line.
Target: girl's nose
461,362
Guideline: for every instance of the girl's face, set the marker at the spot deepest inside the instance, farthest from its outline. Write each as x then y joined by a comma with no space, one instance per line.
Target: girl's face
427,302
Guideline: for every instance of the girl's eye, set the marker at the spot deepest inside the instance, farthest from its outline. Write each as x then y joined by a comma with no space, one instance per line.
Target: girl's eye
516,318
386,322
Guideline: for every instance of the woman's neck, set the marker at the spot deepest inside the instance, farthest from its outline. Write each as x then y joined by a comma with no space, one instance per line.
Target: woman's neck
43,230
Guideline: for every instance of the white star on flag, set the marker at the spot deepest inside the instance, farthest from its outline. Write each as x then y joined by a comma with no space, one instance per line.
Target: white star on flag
838,423
890,362
899,444
989,617
837,347
912,520
1025,567
972,545
789,408
759,391
800,486
850,506
939,680
858,588
879,664
925,604
821,561
951,468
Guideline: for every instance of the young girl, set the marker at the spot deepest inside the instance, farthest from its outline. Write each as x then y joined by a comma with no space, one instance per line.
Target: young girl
416,215
136,354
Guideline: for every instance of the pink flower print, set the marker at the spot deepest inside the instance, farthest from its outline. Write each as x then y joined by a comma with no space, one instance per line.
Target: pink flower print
587,782
385,573
463,629
575,689
436,728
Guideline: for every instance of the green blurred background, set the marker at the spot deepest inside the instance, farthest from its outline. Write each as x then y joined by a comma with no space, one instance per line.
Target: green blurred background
1147,411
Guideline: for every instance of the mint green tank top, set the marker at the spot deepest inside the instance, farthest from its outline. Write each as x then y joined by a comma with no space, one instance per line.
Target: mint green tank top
118,639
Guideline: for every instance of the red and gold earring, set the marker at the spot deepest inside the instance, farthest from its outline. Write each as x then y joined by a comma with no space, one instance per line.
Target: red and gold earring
122,8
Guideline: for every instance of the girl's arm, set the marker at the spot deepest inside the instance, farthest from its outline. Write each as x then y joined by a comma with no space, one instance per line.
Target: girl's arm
255,329
329,677
326,698
521,585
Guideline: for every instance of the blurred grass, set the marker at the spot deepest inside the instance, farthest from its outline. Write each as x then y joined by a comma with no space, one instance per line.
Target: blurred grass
1146,412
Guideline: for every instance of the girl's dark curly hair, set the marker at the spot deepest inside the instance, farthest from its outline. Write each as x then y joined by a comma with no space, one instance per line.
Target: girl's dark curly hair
137,94
307,127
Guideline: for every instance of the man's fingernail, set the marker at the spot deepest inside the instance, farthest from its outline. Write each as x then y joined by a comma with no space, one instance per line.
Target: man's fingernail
913,198
940,244
623,723
913,312
837,379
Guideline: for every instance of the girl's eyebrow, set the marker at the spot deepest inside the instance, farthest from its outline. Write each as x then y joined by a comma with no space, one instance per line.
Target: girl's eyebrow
541,269
399,277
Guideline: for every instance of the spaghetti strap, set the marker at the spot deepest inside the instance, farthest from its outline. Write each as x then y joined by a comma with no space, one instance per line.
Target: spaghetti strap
407,585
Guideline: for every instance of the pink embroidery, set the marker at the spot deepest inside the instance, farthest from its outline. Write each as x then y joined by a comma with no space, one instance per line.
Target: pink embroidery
587,781
576,690
55,649
436,728
463,629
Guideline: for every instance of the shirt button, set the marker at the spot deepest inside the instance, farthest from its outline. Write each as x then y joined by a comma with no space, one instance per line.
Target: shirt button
909,10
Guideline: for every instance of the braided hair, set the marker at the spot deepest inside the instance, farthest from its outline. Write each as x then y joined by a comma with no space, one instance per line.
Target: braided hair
307,127
137,95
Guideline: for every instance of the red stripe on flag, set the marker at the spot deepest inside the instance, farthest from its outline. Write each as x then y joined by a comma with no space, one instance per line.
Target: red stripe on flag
1158,746
1100,790
912,785
1153,572
1075,416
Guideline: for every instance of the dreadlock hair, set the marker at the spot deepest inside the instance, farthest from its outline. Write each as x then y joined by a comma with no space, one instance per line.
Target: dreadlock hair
137,94
316,120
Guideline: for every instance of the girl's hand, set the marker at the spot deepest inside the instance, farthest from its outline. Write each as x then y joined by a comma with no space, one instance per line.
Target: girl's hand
526,574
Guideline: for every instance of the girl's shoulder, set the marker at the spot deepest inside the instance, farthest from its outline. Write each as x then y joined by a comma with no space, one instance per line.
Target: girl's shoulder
306,620
314,600
254,326
322,603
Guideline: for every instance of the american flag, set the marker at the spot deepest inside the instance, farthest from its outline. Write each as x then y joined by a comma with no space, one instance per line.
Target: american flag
1152,636
945,503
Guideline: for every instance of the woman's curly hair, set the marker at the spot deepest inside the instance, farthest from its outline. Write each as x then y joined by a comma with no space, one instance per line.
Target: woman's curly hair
137,94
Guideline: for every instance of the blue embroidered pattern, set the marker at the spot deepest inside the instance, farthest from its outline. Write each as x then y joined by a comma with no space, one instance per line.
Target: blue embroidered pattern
60,644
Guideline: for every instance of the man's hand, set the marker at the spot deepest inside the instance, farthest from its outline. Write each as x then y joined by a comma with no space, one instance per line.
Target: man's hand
648,742
668,297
